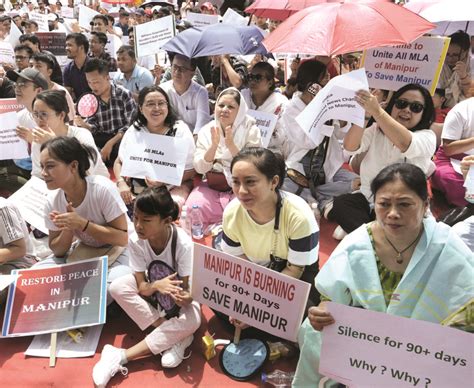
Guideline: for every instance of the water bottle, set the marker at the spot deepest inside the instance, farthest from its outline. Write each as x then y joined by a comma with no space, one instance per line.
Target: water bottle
197,226
278,378
184,220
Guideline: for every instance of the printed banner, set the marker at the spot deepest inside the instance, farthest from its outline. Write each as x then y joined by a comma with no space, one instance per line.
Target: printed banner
161,158
11,146
201,19
370,349
266,122
55,42
419,62
253,294
151,36
9,105
58,298
31,200
334,101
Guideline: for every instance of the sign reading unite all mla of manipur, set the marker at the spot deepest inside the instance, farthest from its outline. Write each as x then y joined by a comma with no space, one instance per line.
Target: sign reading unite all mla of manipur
47,300
419,62
256,295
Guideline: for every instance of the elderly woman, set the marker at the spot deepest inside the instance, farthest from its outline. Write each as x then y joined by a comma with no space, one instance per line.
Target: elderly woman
387,258
154,116
400,134
217,143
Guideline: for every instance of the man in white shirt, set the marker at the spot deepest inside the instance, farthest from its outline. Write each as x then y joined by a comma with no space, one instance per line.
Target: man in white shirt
189,100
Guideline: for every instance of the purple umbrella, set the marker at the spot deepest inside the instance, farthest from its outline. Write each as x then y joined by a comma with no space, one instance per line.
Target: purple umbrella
217,39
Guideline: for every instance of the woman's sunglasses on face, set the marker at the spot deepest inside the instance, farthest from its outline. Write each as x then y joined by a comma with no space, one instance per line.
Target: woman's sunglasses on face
415,107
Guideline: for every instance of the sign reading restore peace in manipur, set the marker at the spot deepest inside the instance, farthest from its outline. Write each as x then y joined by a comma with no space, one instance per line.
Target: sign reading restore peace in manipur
255,295
58,298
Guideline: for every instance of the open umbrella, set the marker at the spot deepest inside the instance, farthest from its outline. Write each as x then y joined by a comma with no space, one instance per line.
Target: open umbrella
160,3
279,9
217,39
338,28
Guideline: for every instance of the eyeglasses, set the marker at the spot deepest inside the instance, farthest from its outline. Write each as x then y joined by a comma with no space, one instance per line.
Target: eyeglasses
40,115
21,85
21,57
255,77
160,105
415,107
180,69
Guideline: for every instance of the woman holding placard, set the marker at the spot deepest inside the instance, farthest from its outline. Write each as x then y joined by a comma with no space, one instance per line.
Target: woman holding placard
398,264
217,143
154,116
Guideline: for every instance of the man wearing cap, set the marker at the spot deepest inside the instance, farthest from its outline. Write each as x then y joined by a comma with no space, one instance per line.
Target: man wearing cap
139,15
122,23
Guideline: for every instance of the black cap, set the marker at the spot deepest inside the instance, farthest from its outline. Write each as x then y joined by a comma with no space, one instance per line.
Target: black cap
32,75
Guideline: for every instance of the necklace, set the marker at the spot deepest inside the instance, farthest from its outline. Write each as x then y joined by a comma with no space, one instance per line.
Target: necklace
399,258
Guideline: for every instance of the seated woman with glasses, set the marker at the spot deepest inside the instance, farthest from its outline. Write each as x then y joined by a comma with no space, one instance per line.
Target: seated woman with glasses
400,133
261,96
154,116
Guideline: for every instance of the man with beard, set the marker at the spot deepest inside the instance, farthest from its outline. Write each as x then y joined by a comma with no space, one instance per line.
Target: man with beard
74,76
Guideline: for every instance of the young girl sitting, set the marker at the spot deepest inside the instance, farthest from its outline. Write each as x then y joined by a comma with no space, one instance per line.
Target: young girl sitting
155,238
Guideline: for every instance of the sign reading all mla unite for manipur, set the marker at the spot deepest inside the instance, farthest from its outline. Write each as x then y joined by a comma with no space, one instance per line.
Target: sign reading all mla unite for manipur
151,36
365,348
159,157
419,62
255,295
58,298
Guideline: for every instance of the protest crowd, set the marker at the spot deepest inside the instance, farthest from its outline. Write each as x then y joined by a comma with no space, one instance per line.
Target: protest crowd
144,136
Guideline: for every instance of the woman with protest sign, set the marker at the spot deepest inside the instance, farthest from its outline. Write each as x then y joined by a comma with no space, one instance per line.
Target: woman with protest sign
217,143
380,266
85,215
400,133
156,240
266,225
154,115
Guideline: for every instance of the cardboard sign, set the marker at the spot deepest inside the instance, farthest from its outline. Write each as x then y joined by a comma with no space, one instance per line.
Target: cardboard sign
334,101
85,16
201,19
7,55
151,36
58,298
11,146
41,19
419,62
55,42
159,157
370,349
256,295
9,105
31,200
266,122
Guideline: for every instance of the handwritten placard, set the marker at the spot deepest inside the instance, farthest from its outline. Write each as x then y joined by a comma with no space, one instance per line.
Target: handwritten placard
383,350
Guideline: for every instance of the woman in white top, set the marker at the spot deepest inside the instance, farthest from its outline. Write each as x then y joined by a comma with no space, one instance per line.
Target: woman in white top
261,96
400,133
50,112
154,116
217,143
156,238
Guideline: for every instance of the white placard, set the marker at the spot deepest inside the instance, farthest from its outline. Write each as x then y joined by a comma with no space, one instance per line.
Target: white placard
232,17
113,44
15,33
201,19
419,62
67,12
31,200
334,101
6,280
371,349
266,122
7,55
66,347
41,19
151,36
159,157
11,146
85,16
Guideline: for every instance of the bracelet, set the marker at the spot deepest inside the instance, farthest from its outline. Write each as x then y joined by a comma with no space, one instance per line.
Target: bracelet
85,227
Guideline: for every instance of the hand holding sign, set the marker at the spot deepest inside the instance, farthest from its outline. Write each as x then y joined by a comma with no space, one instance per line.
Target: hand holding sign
369,102
319,317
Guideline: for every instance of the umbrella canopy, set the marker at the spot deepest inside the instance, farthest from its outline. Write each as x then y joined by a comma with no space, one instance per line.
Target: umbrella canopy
279,9
160,3
338,28
217,39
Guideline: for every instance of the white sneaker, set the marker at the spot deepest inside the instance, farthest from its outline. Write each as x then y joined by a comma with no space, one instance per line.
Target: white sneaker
339,233
171,358
108,366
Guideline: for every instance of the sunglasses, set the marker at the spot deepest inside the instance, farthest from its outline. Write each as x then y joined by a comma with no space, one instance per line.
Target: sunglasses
415,107
255,77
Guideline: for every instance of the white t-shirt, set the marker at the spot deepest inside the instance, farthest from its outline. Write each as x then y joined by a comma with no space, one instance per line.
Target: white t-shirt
25,119
192,106
13,227
141,253
101,205
459,123
85,137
